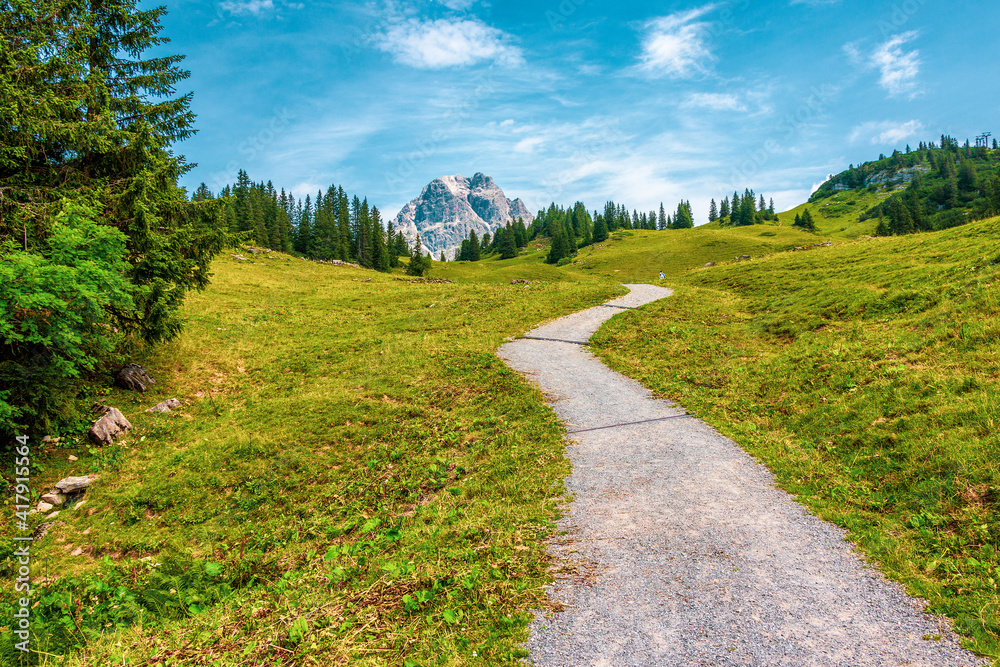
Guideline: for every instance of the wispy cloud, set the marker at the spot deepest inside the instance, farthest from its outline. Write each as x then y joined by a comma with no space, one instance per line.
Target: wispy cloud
713,101
886,133
443,43
246,7
457,5
675,45
898,68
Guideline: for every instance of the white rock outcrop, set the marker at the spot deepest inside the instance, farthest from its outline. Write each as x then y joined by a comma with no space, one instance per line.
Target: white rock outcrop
452,206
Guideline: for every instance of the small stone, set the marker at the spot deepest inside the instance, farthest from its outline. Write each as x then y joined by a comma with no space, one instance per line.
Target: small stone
708,264
53,515
54,498
73,484
165,406
73,458
79,505
50,440
77,552
111,425
44,507
134,377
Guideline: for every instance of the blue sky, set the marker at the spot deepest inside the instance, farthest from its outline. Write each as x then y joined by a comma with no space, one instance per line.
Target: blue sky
566,100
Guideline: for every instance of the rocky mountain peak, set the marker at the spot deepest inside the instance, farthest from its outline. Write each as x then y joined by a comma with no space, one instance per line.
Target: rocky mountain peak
449,207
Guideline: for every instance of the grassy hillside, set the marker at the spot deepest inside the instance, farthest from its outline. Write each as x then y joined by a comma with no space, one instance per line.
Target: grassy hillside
354,478
637,256
864,375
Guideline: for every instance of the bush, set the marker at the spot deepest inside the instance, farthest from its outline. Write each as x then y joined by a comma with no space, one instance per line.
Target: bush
54,315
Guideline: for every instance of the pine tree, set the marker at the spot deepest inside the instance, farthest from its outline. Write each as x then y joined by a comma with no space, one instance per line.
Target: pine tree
600,230
713,212
506,245
419,263
475,251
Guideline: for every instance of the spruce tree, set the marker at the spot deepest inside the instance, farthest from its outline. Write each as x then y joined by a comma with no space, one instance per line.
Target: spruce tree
713,212
600,230
506,245
380,253
475,251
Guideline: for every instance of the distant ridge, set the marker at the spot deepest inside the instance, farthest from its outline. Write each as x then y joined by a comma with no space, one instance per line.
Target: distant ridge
452,206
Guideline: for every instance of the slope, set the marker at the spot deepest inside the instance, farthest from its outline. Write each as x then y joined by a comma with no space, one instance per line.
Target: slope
864,376
353,477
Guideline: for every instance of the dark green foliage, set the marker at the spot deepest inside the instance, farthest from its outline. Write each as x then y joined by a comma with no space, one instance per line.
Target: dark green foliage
600,230
86,128
506,243
475,251
683,218
55,315
947,185
84,118
419,263
805,221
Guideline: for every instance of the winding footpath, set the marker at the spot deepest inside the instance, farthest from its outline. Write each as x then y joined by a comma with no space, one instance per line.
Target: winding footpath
679,550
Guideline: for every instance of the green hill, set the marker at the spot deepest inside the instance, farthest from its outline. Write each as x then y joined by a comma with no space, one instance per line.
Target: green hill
355,477
864,376
934,187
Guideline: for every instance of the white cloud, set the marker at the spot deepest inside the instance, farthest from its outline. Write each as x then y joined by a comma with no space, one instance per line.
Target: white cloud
507,123
242,8
713,101
886,133
457,5
675,46
899,68
446,43
528,144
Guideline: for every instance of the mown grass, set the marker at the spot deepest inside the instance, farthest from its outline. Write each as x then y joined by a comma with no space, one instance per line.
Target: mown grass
864,375
354,478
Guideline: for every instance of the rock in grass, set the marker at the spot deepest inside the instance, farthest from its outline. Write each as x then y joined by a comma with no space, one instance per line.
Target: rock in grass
708,265
134,377
111,425
53,498
165,406
44,507
71,485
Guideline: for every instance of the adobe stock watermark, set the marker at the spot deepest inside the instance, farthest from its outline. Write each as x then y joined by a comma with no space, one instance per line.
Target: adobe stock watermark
558,16
755,159
425,147
899,16
253,146
609,137
21,623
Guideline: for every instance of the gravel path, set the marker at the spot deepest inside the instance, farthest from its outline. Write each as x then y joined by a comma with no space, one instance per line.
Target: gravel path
679,549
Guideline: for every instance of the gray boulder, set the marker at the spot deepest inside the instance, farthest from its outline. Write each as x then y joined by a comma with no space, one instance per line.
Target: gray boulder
165,406
134,377
111,425
73,485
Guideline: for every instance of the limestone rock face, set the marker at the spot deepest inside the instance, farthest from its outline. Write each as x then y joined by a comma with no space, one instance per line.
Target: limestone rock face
452,206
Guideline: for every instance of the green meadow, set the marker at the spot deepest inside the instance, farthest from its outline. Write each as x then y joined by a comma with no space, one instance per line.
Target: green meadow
864,376
355,478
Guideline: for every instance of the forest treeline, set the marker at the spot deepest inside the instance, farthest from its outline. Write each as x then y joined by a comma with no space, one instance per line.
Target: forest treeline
98,243
571,228
331,225
936,186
